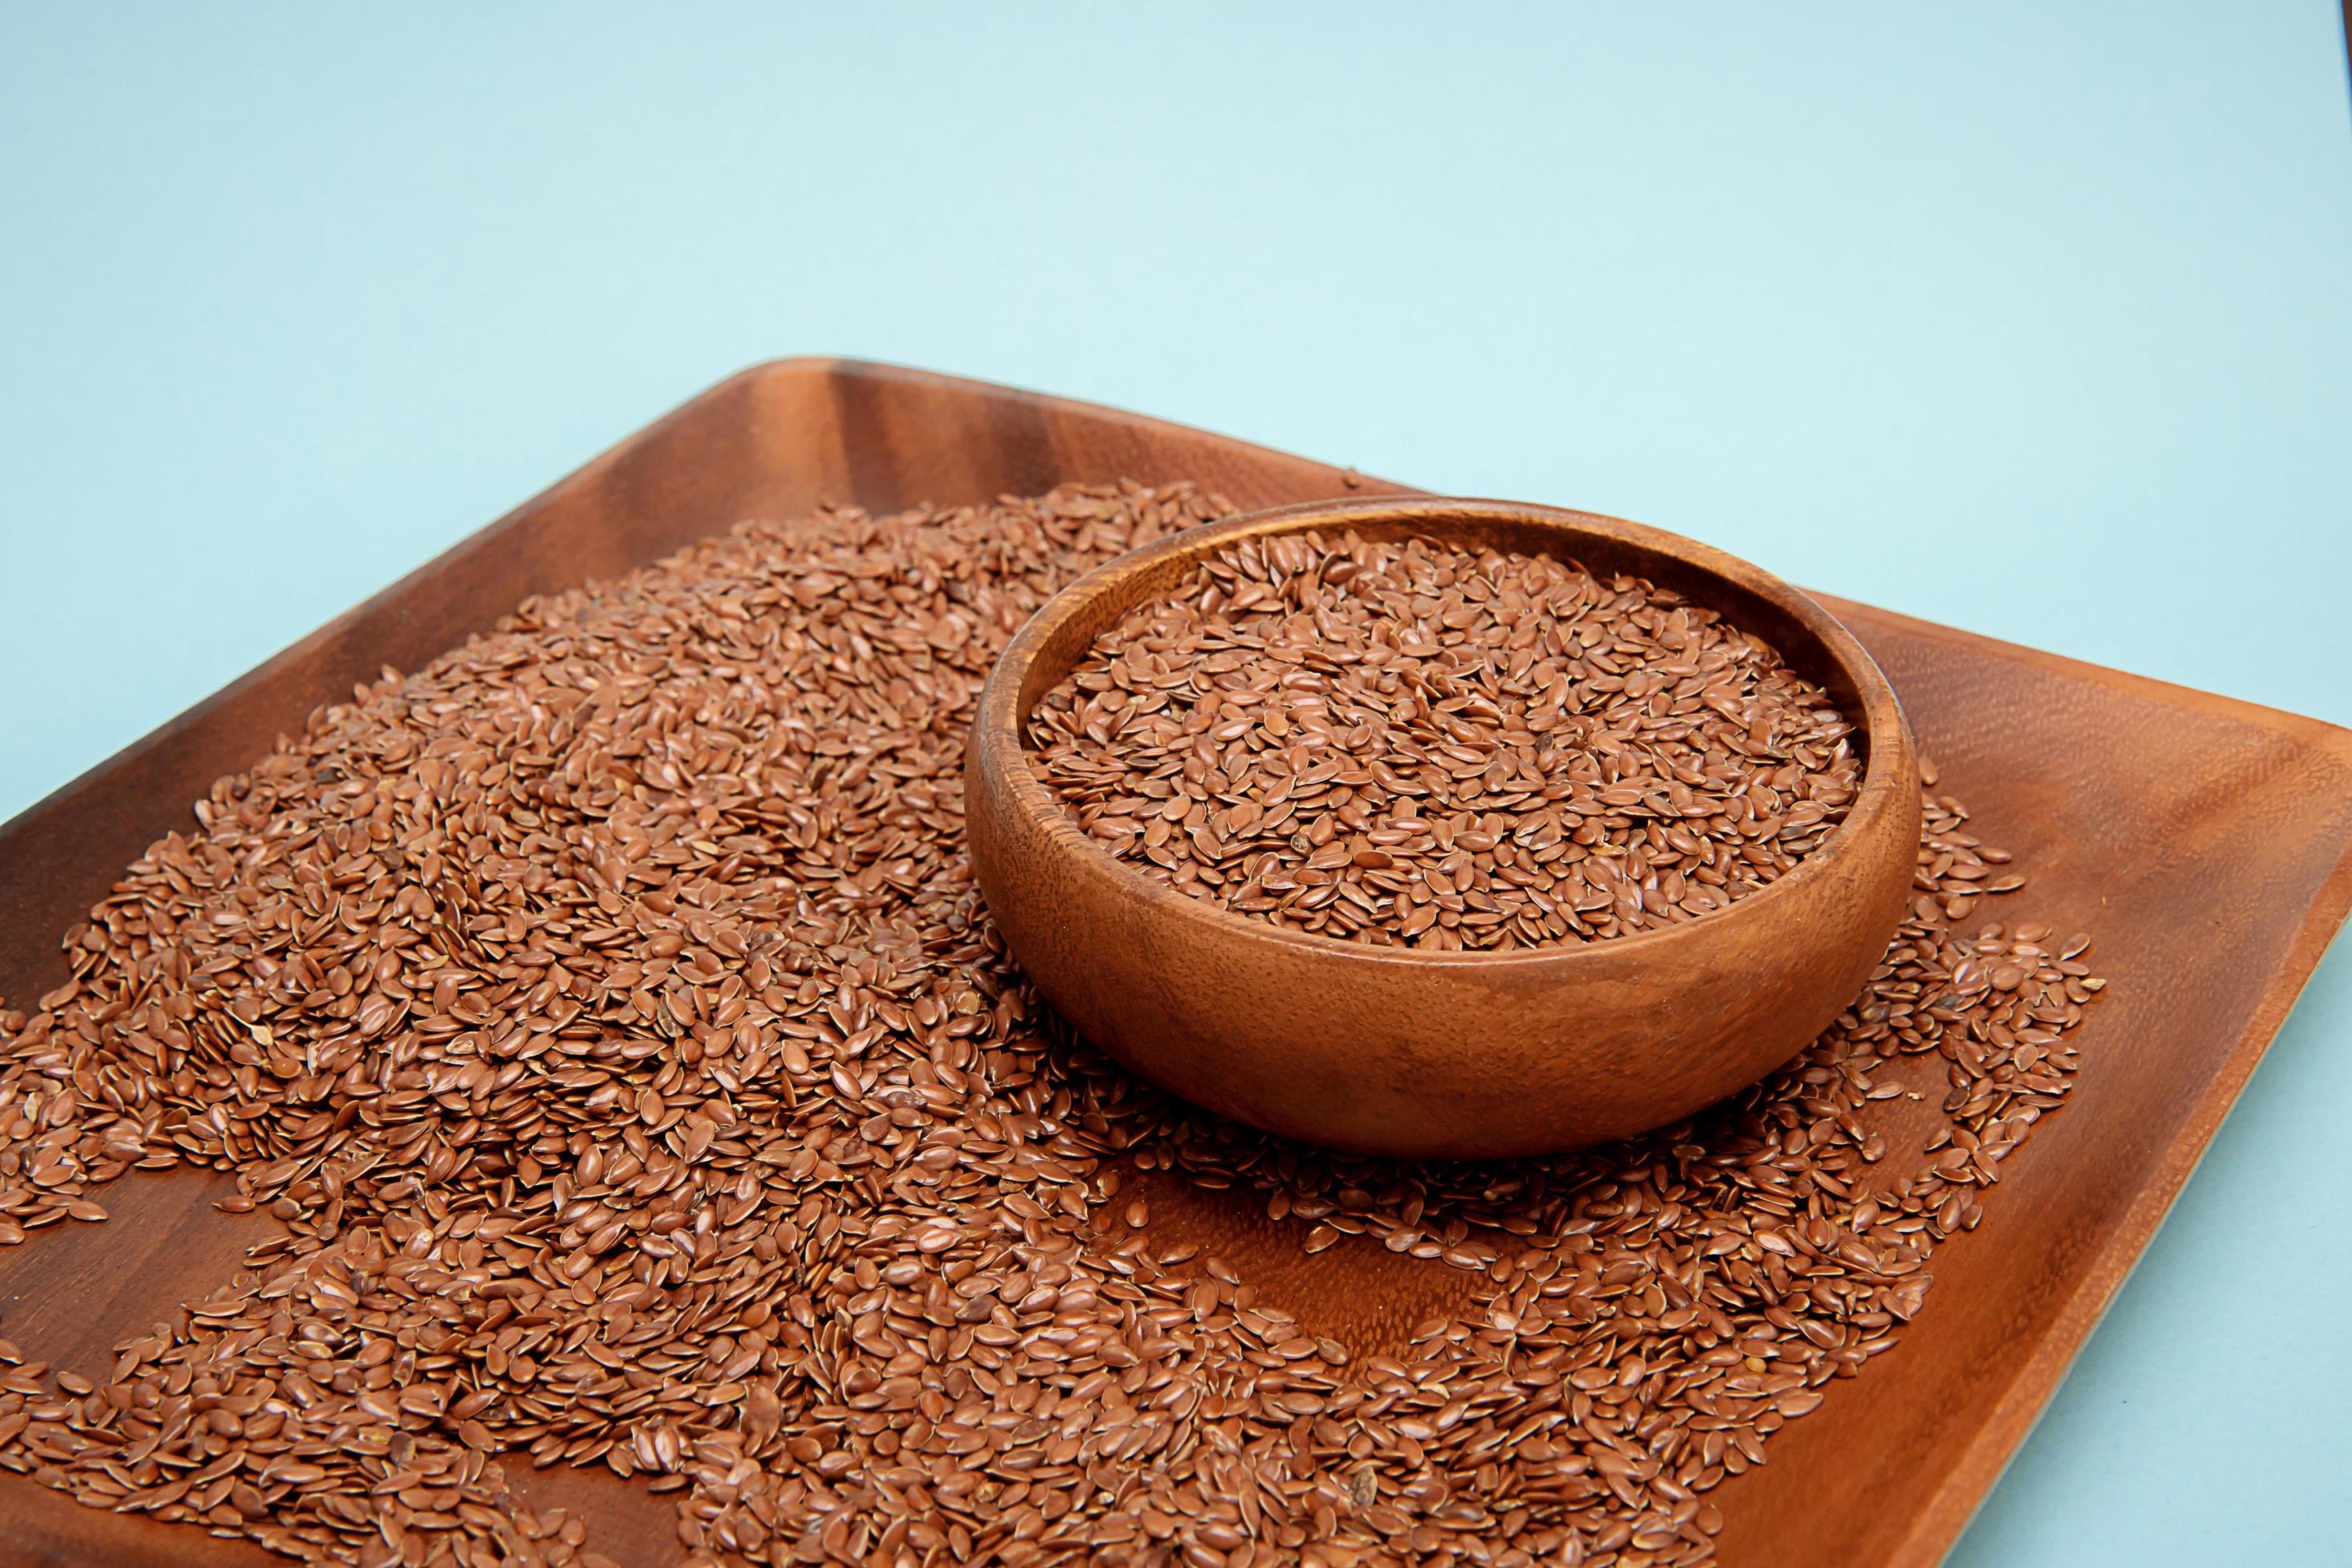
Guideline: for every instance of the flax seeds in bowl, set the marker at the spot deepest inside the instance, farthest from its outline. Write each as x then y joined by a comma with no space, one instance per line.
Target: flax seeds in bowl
1441,827
1407,741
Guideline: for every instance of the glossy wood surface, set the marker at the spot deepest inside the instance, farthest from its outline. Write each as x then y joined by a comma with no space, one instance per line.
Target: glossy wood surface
1389,1050
2207,845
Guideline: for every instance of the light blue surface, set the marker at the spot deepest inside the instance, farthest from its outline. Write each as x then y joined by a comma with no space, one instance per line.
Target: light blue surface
2030,318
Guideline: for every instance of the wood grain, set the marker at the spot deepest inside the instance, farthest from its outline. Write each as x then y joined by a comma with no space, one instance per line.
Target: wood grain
2206,843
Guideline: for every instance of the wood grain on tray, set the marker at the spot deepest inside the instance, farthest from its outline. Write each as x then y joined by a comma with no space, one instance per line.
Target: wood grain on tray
2207,843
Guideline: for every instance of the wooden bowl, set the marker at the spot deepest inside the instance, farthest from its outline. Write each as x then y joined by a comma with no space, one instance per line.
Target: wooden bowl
1394,1051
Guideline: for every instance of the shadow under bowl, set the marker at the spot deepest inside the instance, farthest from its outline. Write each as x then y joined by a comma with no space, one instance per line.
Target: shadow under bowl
1392,1050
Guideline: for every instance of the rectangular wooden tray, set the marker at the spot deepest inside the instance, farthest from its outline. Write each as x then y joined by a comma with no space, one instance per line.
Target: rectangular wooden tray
2206,843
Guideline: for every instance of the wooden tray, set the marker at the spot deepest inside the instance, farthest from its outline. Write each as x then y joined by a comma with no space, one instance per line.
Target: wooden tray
2206,843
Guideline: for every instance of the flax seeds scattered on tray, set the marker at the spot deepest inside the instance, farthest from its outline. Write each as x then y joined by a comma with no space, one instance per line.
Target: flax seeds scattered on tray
607,1015
1414,742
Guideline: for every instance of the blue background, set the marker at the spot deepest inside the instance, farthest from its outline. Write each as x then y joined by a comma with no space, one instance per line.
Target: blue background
291,298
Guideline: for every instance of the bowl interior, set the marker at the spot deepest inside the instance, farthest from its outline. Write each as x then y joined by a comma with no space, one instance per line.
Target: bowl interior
1806,637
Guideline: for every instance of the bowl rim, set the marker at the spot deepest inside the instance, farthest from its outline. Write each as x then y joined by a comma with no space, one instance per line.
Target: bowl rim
999,717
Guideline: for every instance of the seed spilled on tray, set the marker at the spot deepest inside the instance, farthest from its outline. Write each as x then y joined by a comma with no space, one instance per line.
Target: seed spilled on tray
607,1016
1410,742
